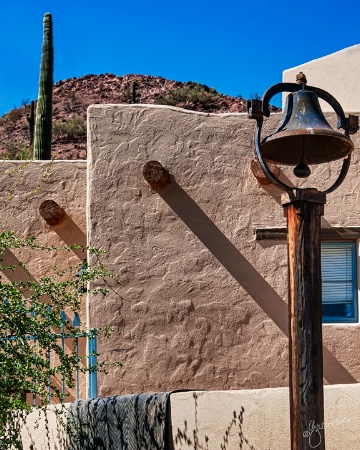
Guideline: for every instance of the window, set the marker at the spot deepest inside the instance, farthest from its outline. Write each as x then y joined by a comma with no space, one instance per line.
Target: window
339,286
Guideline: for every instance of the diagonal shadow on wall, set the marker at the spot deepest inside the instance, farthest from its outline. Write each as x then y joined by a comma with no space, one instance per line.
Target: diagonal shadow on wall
276,195
20,274
242,271
71,234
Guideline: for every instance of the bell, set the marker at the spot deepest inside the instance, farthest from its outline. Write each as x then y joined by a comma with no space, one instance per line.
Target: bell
304,136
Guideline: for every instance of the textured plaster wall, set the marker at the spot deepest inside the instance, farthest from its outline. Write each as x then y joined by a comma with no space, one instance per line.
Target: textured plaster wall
336,73
24,186
264,423
201,304
262,420
45,429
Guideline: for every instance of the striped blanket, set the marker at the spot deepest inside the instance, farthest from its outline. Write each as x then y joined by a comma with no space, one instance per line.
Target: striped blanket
127,422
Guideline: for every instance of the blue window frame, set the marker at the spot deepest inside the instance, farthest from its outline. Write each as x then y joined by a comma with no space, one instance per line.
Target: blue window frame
339,282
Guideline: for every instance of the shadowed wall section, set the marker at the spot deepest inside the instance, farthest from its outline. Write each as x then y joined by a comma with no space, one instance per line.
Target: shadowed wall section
243,272
201,303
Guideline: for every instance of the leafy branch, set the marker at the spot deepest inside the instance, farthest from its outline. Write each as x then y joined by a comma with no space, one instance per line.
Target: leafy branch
35,320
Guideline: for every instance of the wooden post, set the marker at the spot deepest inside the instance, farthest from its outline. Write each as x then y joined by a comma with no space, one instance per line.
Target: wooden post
303,209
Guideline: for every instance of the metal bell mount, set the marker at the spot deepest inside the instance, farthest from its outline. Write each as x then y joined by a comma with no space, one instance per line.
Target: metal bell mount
304,136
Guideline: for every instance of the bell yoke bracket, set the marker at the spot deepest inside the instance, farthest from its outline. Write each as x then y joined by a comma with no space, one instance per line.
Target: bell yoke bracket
258,109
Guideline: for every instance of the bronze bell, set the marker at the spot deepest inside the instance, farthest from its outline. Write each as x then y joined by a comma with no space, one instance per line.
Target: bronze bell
304,136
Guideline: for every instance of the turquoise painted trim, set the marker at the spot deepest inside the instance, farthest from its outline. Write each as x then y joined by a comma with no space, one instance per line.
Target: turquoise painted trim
92,376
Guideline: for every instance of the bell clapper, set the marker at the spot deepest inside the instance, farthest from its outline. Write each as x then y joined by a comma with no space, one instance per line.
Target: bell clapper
302,170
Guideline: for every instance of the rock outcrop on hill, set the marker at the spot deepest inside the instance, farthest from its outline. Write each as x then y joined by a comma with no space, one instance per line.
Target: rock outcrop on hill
71,98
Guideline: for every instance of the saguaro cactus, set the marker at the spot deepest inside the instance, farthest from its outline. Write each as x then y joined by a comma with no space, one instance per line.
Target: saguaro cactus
43,123
31,119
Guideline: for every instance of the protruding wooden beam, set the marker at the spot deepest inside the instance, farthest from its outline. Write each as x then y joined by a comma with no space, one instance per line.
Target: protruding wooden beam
327,234
156,175
259,174
51,212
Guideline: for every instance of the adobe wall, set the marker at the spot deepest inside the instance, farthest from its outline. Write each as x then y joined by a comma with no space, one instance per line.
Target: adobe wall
261,420
200,304
45,429
336,73
24,186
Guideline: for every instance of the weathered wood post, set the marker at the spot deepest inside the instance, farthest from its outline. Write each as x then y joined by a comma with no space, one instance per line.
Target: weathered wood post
304,137
303,209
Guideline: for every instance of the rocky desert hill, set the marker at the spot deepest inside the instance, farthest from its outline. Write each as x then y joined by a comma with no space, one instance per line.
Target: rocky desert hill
71,98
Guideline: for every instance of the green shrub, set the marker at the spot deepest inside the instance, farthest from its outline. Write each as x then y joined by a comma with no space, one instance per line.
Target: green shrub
74,128
71,102
25,101
15,150
189,96
30,332
12,116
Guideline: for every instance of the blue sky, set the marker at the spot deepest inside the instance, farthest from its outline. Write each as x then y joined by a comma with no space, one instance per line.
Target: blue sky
237,47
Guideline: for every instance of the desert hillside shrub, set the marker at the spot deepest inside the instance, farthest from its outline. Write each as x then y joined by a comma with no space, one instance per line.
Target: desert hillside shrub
12,116
71,102
12,149
74,128
189,96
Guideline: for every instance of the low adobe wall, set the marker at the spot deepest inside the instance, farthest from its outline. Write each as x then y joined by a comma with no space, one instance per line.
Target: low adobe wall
259,417
45,429
199,303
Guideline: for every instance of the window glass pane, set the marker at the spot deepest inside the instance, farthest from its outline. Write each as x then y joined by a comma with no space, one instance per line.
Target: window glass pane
338,310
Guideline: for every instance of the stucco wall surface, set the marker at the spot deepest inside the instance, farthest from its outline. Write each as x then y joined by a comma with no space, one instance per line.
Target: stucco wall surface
200,304
336,73
24,186
261,419
45,429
